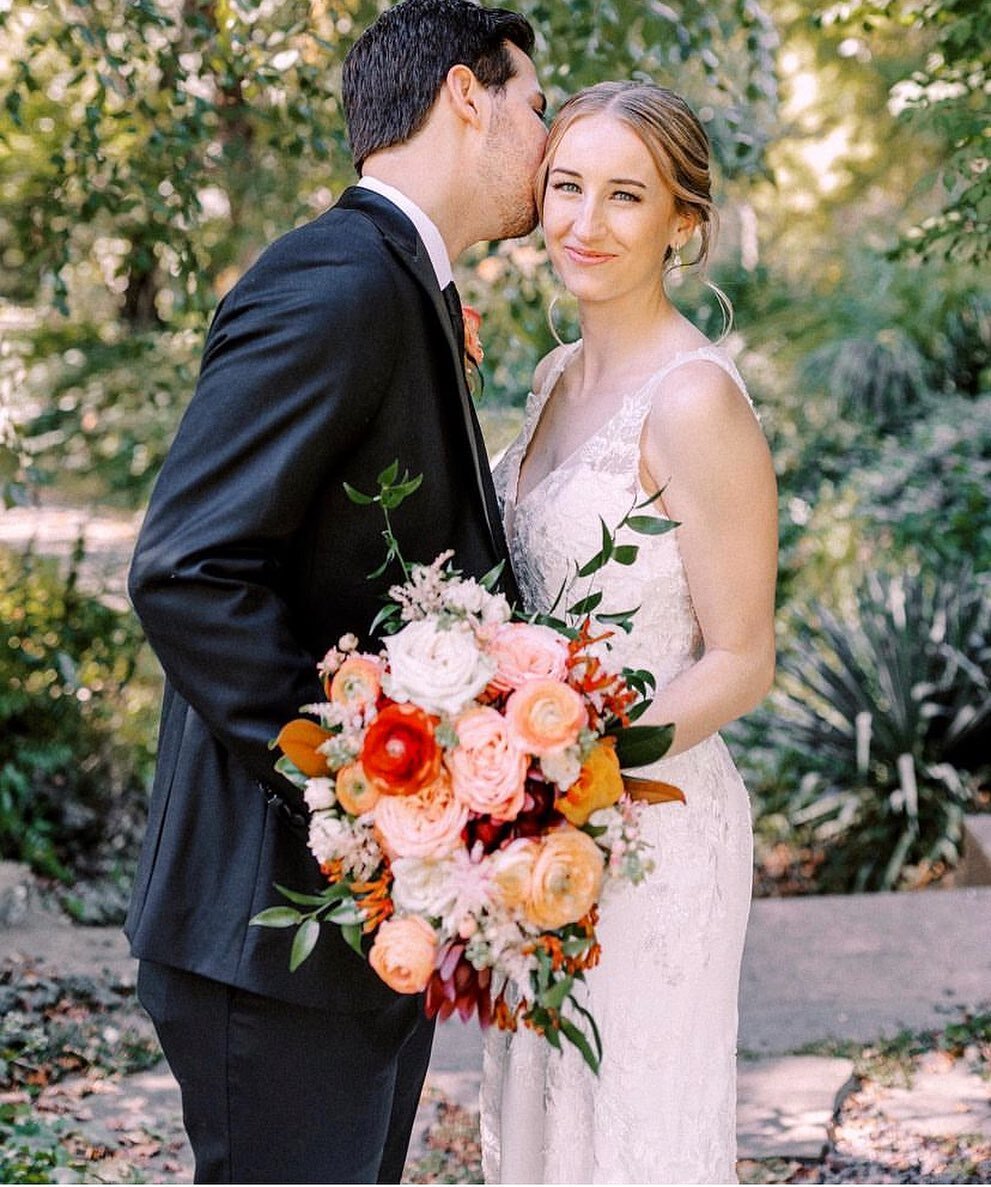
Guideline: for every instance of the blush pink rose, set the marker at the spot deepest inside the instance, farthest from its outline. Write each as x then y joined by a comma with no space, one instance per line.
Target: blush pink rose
403,954
544,716
426,824
487,770
525,651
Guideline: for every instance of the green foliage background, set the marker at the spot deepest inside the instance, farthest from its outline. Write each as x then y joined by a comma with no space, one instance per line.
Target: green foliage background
149,149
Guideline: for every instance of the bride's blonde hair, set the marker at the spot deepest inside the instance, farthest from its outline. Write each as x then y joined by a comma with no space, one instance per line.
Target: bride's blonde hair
676,141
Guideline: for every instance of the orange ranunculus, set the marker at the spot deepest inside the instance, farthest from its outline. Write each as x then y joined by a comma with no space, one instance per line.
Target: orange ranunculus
427,824
299,742
512,871
355,792
400,754
545,716
403,953
357,682
567,878
599,785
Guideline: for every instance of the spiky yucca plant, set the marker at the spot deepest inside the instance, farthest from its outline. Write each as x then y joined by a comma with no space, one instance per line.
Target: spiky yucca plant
889,716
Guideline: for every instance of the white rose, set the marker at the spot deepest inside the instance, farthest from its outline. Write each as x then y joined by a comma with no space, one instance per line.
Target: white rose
330,837
319,794
422,887
441,670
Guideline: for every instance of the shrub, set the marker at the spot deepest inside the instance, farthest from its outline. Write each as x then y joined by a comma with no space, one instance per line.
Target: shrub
75,727
882,723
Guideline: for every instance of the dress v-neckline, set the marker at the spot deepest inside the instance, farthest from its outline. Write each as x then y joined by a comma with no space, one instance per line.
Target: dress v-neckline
532,423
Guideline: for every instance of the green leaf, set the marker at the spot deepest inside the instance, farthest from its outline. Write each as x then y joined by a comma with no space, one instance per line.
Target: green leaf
586,605
303,900
640,745
303,943
346,915
650,525
352,936
276,917
554,997
288,769
387,616
625,554
577,1039
356,496
389,474
619,618
652,498
491,578
601,558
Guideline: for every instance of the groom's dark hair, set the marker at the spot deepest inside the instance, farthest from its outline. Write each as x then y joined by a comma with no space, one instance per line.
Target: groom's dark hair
394,71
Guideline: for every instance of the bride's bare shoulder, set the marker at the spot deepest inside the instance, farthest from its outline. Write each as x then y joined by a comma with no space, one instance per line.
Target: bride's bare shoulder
543,369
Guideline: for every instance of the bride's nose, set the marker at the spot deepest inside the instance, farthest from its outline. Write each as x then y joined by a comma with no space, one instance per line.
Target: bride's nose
589,223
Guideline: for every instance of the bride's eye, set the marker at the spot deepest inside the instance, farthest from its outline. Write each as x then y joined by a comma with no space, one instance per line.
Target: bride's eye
626,196
566,187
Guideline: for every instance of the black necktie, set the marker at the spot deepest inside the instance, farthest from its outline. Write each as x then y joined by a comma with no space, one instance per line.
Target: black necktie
453,303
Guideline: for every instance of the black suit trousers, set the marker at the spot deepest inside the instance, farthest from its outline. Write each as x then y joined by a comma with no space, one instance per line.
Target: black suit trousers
274,1092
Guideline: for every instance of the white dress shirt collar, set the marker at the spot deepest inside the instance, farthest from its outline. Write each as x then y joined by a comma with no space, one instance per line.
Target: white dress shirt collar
425,227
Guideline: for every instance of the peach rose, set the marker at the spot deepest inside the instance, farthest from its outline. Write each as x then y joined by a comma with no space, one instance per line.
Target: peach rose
599,785
525,651
544,716
357,682
400,754
403,954
427,824
512,871
355,792
487,770
567,878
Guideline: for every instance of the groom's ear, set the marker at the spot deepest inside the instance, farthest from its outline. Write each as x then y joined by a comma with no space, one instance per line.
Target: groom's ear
466,95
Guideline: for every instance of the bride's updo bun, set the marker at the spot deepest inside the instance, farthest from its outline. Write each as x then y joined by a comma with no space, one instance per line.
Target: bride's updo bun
671,132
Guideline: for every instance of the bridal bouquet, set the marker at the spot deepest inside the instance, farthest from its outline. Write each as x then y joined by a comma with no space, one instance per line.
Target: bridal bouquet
467,805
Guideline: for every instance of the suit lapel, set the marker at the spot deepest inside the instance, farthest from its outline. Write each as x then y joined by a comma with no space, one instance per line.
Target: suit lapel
401,235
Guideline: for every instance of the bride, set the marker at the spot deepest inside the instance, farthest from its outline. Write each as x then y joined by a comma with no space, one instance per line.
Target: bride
642,403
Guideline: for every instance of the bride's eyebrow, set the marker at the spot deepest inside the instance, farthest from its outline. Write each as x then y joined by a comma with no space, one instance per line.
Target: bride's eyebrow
612,180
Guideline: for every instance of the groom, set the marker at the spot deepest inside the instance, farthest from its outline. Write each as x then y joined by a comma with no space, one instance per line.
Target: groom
338,352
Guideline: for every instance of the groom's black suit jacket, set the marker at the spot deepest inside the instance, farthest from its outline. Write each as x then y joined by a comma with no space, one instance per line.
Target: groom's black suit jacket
333,356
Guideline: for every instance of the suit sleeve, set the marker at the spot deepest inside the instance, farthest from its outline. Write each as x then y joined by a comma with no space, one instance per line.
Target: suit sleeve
293,372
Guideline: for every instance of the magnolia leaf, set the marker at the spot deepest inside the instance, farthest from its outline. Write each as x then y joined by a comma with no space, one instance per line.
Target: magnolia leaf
276,917
288,769
640,745
650,525
303,943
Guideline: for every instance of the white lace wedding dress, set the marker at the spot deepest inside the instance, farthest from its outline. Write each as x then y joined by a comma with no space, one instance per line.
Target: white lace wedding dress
663,1109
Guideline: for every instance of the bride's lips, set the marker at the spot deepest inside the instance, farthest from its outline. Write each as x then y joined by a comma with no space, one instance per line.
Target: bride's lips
582,256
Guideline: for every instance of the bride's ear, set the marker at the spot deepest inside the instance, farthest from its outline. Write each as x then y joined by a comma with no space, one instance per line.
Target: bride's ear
684,228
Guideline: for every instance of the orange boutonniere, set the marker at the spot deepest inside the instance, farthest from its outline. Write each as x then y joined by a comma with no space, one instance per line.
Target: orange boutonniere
473,341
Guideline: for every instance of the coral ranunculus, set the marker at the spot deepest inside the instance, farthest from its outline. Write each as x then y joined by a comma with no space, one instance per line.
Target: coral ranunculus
567,878
400,754
355,792
488,772
545,716
599,785
427,824
403,953
357,682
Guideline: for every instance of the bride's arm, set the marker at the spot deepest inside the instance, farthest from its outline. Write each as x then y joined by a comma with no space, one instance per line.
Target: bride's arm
704,445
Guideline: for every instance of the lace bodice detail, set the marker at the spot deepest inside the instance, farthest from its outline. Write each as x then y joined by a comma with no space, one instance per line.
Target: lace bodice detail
556,525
